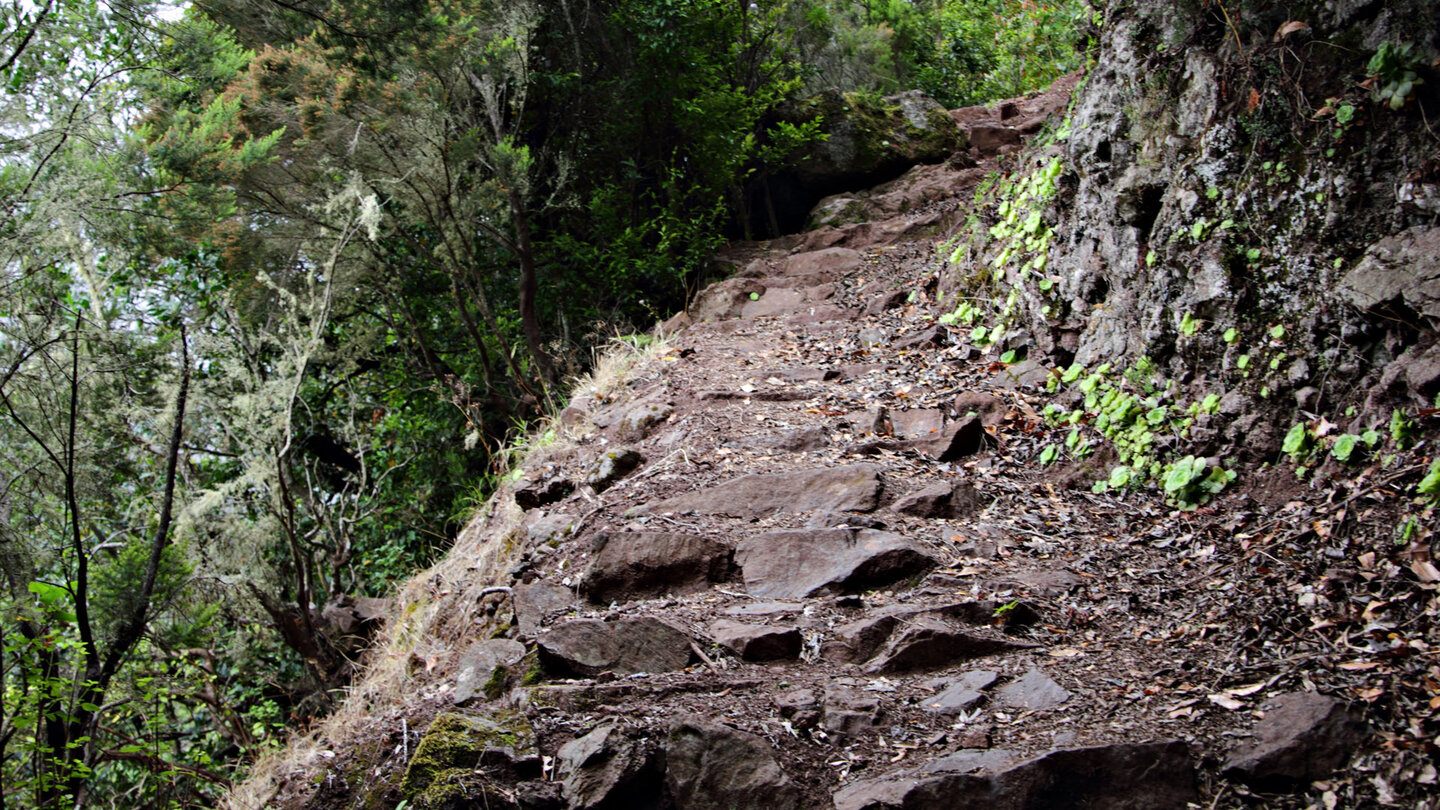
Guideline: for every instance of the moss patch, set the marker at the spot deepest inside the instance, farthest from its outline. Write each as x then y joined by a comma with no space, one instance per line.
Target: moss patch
459,741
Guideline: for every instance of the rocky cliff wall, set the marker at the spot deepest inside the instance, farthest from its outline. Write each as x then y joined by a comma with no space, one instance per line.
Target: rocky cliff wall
1230,168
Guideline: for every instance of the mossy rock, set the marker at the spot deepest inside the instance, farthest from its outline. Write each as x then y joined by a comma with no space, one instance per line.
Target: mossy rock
870,138
464,742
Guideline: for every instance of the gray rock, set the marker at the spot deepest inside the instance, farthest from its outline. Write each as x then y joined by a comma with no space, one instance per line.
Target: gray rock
1399,275
872,336
757,642
477,666
612,466
1024,374
605,770
631,565
961,438
835,261
943,501
588,647
842,489
712,767
546,528
537,602
802,563
1141,776
990,408
1303,737
796,441
917,423
850,711
926,643
960,693
879,304
1033,692
637,421
970,760
1422,374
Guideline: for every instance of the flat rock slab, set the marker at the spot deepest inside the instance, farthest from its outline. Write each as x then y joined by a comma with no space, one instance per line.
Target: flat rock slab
757,642
1140,776
713,767
961,693
537,602
478,663
843,489
631,565
802,563
829,262
926,644
917,423
1034,692
588,647
1399,274
943,501
1304,737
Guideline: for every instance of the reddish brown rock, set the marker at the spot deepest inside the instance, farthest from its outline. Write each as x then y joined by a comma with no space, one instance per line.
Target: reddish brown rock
713,767
961,438
990,408
943,501
757,642
1139,776
925,644
1303,737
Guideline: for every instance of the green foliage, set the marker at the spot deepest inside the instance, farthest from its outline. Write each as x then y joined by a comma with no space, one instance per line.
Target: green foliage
1393,69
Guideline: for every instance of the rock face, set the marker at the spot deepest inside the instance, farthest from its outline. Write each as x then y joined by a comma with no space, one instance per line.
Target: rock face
802,563
712,767
634,565
1304,737
457,744
1152,776
849,489
1399,277
478,665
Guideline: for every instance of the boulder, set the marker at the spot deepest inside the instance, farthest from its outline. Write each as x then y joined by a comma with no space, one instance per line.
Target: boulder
846,489
1303,737
588,647
712,767
800,563
1135,776
757,642
869,141
631,565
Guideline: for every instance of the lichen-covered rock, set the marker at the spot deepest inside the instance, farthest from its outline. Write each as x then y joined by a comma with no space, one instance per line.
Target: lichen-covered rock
612,466
869,141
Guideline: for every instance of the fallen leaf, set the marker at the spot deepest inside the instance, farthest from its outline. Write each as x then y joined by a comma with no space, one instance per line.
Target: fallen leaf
1426,571
1359,666
1226,702
1247,690
1066,652
1291,27
1254,100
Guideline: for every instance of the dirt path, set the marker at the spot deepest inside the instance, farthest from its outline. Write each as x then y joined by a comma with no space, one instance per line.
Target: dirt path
807,559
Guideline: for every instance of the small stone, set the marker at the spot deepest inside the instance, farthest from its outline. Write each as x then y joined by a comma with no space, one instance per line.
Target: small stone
850,711
961,693
543,493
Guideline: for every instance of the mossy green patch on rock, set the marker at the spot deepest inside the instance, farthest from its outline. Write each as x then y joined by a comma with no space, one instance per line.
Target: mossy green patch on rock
461,741
869,137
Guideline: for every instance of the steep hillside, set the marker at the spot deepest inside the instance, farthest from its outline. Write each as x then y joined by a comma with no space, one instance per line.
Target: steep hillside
1128,505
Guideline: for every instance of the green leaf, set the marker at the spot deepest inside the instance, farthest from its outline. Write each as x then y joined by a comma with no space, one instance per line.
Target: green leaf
1344,446
1297,440
1430,484
1119,477
1277,331
1232,336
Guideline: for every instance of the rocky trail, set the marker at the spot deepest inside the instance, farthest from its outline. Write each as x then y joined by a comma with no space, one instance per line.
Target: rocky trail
805,558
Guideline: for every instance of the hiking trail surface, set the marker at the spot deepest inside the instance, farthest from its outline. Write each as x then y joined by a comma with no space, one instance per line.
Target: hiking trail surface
803,556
